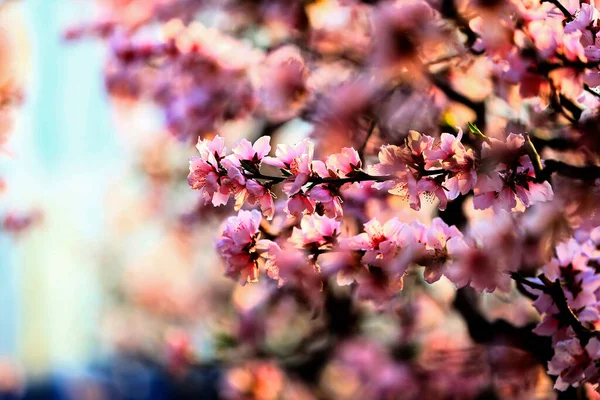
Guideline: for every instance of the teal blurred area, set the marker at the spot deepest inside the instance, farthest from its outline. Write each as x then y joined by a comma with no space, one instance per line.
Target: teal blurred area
65,153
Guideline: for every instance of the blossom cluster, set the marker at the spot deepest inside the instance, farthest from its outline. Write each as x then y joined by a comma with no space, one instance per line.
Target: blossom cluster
376,259
545,50
203,78
446,169
577,346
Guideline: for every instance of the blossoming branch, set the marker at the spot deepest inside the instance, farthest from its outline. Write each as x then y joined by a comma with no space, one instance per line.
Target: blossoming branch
421,167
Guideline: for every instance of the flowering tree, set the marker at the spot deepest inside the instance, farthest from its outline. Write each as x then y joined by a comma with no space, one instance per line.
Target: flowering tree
487,109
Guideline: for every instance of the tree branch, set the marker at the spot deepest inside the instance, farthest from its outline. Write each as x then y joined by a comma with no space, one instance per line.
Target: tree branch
477,106
554,290
562,8
584,173
361,151
499,332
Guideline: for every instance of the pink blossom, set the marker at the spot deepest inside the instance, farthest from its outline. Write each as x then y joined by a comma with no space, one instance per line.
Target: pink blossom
282,83
394,158
573,48
315,231
292,157
251,152
291,266
383,243
452,156
296,159
378,284
547,36
400,29
231,184
568,80
298,204
345,163
206,172
212,150
485,257
408,164
257,193
441,241
567,253
434,186
571,266
328,200
509,181
237,246
379,375
548,326
569,362
586,18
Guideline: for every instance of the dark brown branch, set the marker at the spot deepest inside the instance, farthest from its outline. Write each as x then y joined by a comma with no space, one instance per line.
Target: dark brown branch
588,89
534,157
584,173
316,180
361,151
553,143
477,106
562,8
450,11
525,282
499,332
554,290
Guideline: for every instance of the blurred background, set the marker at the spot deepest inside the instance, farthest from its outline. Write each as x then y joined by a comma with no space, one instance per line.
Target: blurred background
64,156
70,158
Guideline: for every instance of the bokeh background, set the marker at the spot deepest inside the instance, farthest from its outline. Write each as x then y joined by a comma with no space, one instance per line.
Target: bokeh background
64,154
71,158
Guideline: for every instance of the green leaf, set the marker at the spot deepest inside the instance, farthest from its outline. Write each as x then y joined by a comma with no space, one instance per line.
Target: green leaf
475,130
224,341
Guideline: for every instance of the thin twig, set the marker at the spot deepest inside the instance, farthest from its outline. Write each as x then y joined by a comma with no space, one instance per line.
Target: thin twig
477,106
555,291
361,151
525,282
536,161
588,89
584,173
443,59
562,8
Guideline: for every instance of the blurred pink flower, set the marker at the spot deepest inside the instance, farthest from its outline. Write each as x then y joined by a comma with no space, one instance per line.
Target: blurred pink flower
237,246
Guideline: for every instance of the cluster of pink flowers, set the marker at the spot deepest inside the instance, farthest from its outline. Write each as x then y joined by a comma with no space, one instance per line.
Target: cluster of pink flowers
200,77
447,169
18,222
577,348
512,178
376,259
503,174
390,249
219,177
546,48
203,78
239,246
384,252
378,374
